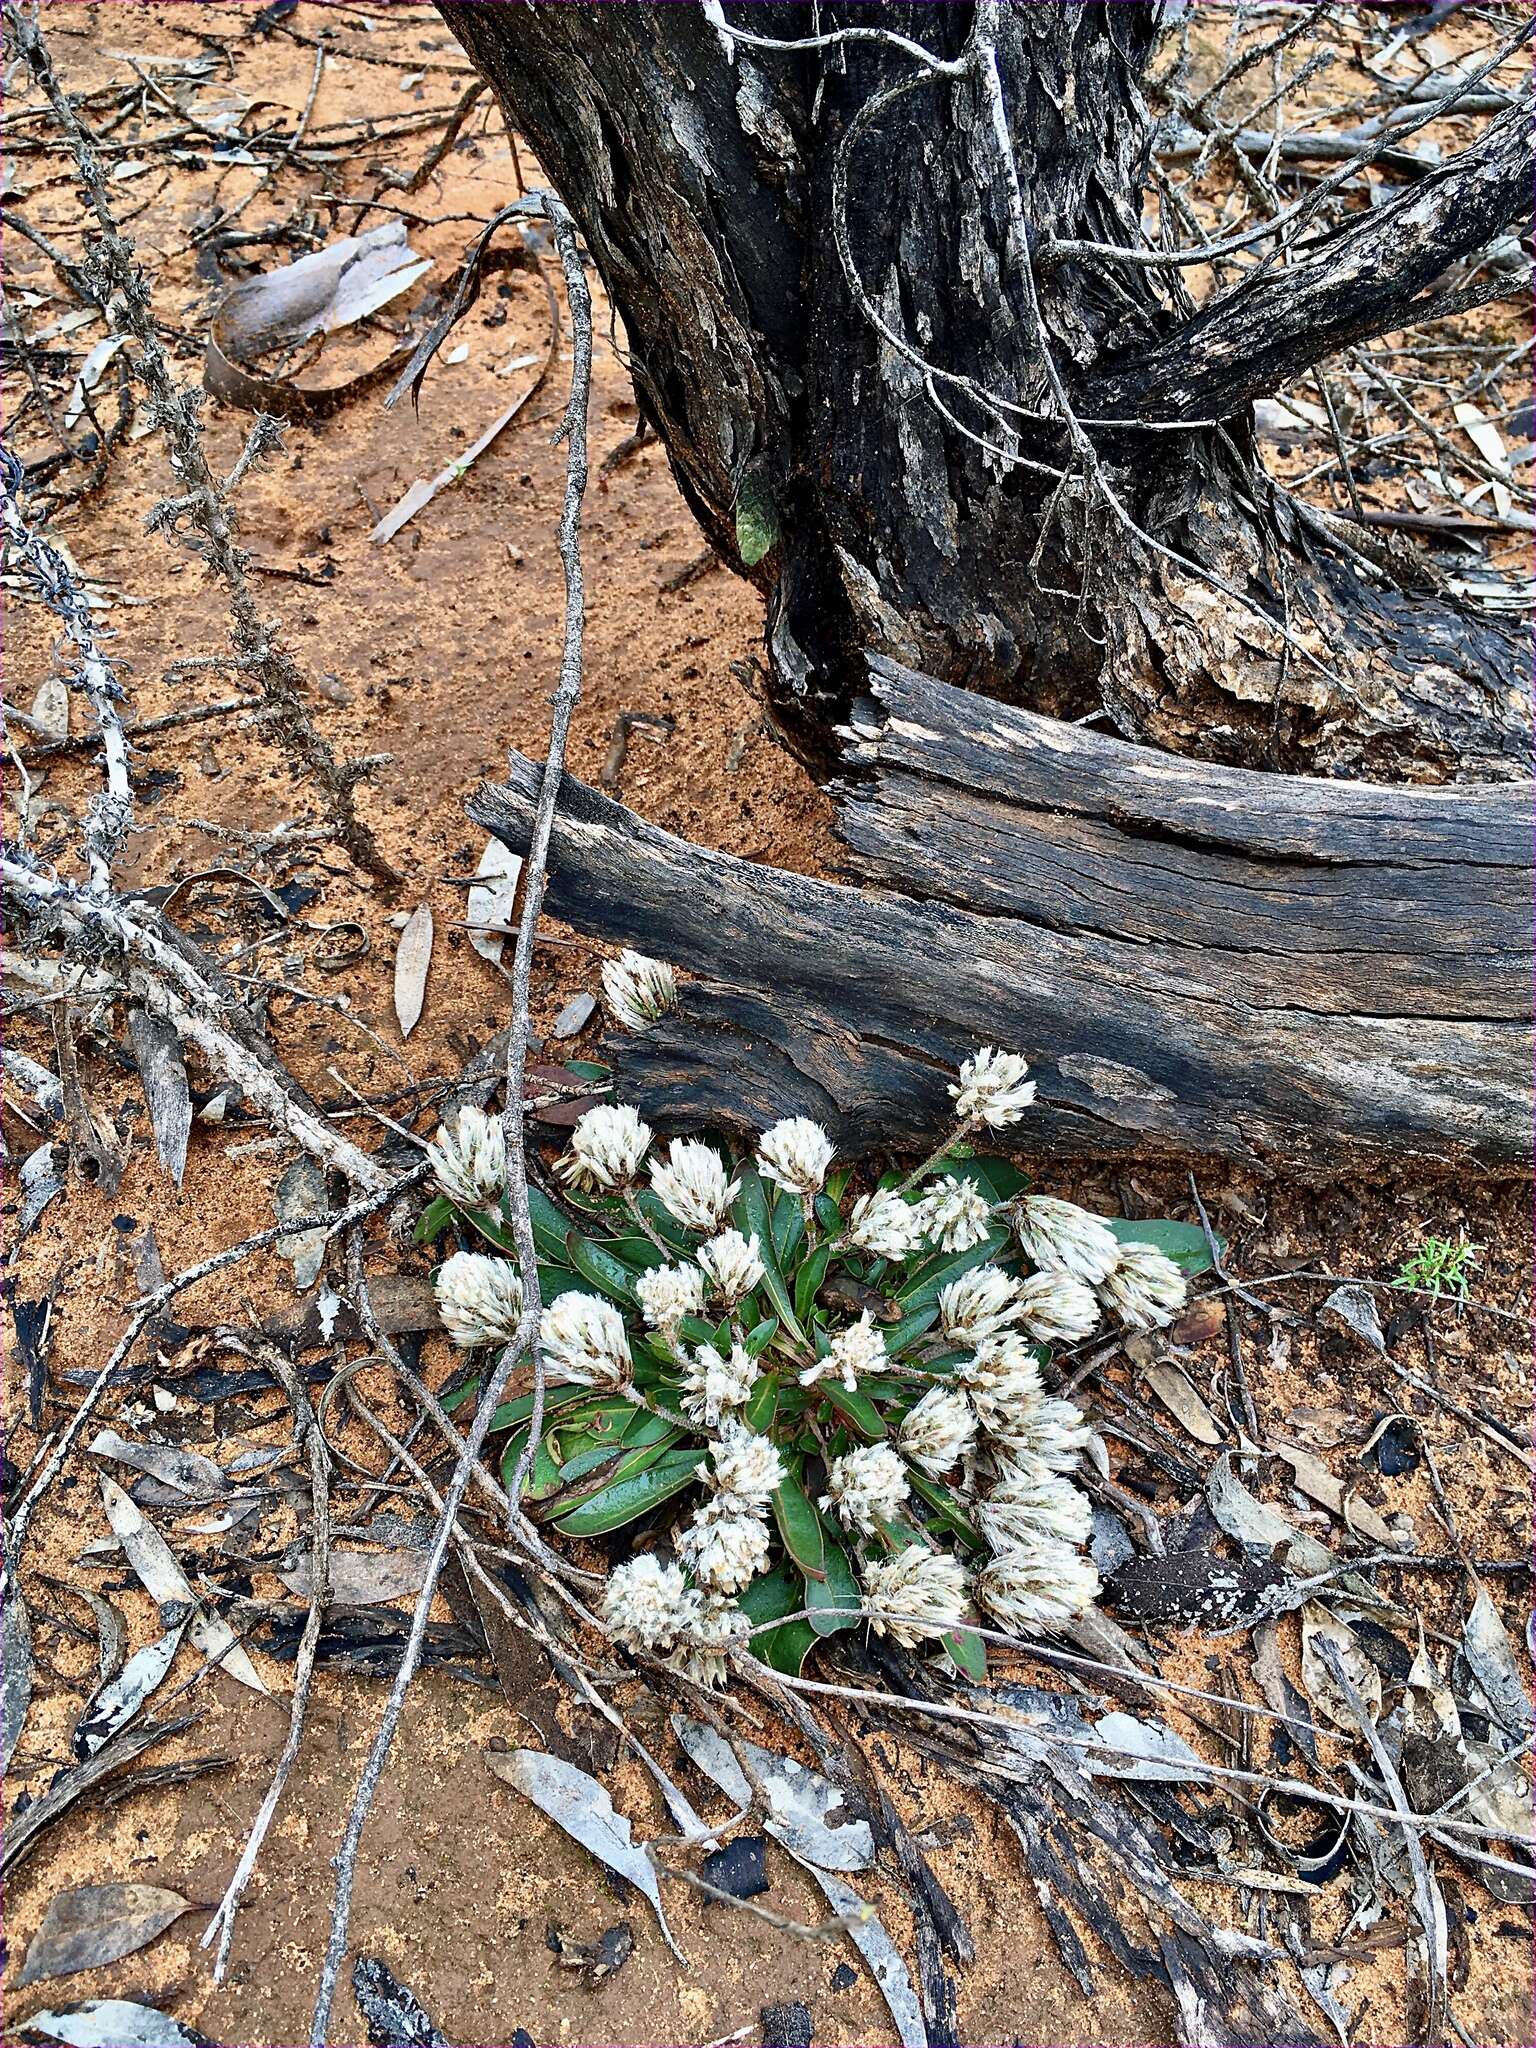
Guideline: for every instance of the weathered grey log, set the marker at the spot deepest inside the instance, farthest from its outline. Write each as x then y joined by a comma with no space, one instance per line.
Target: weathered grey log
1294,973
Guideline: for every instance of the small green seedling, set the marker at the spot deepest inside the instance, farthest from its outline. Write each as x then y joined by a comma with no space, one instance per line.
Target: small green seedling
1441,1265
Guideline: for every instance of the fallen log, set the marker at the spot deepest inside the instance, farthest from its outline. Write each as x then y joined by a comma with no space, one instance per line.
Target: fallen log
1298,974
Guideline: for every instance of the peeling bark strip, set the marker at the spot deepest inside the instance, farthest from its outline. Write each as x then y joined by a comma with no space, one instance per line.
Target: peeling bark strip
1289,973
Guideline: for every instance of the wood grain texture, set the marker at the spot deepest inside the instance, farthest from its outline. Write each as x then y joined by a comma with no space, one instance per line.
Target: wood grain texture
1290,973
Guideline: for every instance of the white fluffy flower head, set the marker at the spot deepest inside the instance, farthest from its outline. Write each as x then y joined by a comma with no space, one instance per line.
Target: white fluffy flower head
1037,1585
712,1384
733,1262
886,1226
692,1186
724,1548
1003,1380
936,1433
1146,1289
1052,1434
979,1305
746,1468
866,1487
479,1298
1029,1503
855,1351
607,1146
718,1626
668,1293
1059,1237
1056,1309
917,1594
954,1214
795,1154
583,1340
639,990
648,1605
469,1158
992,1088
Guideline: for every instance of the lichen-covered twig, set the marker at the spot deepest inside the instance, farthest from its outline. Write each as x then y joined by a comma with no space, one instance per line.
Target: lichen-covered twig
204,502
574,432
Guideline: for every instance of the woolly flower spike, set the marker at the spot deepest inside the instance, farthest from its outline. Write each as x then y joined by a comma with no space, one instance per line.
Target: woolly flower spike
1061,1238
711,1384
479,1298
865,1487
857,1350
607,1146
1003,1381
724,1551
886,1226
1038,1585
978,1305
470,1160
1029,1503
1146,1289
638,990
692,1185
954,1214
915,1594
668,1293
718,1628
1051,1433
992,1088
733,1262
937,1433
648,1605
583,1340
1056,1309
746,1468
795,1155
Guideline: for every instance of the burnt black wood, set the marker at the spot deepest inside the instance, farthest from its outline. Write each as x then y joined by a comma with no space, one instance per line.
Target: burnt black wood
1297,974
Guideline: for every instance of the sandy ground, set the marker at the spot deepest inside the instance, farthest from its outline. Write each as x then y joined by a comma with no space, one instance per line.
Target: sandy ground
441,648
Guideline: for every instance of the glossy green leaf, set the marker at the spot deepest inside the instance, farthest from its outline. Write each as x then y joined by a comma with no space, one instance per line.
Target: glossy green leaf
510,1413
434,1219
809,1278
856,1409
799,1526
549,1226
899,1335
588,1070
600,1268
999,1179
779,1592
757,1340
968,1653
752,1217
788,1230
543,1478
839,1589
626,1499
1184,1243
947,1509
762,1403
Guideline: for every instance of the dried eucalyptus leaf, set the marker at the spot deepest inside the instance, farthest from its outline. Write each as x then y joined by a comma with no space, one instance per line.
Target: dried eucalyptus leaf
1355,1308
1319,1484
50,708
867,1932
1259,1527
580,1805
363,1578
98,1923
300,1194
114,2023
1486,1648
413,956
491,905
118,1698
1141,1749
1318,1626
164,1580
1183,1401
186,1471
801,1803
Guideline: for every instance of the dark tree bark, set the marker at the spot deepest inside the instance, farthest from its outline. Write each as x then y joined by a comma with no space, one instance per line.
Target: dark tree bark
1306,975
703,174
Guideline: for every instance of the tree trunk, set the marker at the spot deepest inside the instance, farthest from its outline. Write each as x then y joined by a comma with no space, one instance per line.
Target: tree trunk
1300,974
1166,579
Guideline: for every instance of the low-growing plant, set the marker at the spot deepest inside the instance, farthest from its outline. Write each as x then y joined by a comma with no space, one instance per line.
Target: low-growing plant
830,1404
1441,1265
